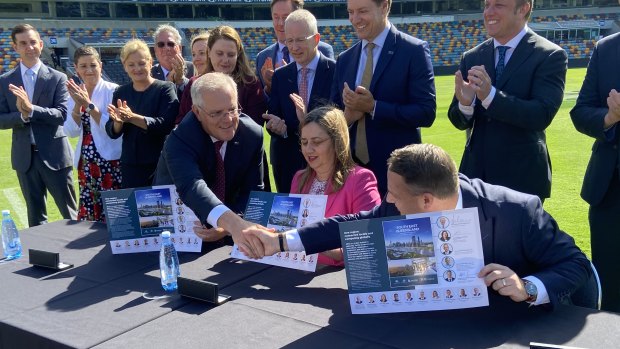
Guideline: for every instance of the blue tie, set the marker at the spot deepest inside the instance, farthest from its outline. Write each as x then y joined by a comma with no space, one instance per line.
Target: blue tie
29,84
499,69
285,55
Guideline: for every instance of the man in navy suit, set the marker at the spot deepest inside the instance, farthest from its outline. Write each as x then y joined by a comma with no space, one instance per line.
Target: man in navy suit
527,257
33,102
287,106
597,114
171,66
388,99
214,157
507,91
276,55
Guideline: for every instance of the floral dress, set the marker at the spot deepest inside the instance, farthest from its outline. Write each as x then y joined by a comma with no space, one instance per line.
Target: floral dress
95,174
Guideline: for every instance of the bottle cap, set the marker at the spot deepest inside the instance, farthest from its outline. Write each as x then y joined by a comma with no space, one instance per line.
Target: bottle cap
6,212
165,234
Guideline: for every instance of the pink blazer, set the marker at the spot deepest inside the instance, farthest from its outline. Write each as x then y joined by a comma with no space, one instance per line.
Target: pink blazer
359,193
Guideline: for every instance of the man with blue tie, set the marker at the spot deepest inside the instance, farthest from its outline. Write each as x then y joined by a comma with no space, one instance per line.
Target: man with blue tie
277,54
507,91
385,84
33,102
296,89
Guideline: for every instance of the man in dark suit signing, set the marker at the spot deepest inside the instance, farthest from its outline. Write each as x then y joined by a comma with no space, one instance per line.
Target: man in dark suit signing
507,91
214,157
296,89
527,257
277,54
171,66
385,84
33,102
597,114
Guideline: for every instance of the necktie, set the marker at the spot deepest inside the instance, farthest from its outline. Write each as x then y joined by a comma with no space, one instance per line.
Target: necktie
29,83
361,146
285,55
303,85
219,189
499,68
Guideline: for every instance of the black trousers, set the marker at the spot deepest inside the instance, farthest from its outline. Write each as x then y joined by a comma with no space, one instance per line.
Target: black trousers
605,241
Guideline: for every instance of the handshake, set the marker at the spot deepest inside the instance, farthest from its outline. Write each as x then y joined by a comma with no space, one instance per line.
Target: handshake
253,240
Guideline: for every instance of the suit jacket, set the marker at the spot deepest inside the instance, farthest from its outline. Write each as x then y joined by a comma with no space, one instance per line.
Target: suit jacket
49,103
404,89
286,157
158,73
188,162
589,113
271,50
516,232
359,192
508,143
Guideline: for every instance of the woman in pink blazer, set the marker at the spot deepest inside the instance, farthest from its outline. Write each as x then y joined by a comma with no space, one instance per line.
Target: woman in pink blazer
324,138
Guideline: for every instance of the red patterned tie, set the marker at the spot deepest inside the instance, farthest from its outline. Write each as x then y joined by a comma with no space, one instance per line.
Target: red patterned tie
303,85
219,188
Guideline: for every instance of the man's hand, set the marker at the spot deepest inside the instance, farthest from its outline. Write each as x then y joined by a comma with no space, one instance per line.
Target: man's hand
503,280
22,104
248,243
480,81
178,69
352,115
266,71
275,124
206,234
360,100
613,103
300,107
268,238
463,90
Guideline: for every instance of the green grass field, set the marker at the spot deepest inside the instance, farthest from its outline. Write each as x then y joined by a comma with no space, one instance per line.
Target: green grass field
569,151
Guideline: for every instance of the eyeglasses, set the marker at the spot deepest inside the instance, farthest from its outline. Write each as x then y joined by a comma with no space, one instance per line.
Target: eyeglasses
298,41
169,44
222,113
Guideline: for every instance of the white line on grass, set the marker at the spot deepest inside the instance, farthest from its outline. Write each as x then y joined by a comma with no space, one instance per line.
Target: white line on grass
18,206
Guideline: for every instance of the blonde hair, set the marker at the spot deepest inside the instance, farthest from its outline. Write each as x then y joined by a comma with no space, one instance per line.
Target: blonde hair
243,73
332,121
134,45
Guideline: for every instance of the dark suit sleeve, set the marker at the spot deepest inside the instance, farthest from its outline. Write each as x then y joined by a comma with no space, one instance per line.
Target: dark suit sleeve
274,105
561,265
8,118
546,93
588,115
419,110
109,125
457,118
253,179
337,87
163,121
56,113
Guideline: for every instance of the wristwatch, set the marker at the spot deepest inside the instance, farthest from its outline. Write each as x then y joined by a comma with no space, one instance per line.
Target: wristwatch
90,108
531,290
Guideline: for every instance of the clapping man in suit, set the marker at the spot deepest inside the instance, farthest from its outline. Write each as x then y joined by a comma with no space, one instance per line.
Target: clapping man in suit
385,84
214,158
277,54
507,91
171,65
597,114
296,89
527,257
33,102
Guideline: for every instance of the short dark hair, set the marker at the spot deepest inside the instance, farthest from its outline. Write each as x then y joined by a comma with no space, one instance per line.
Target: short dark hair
85,51
379,2
297,4
426,168
22,28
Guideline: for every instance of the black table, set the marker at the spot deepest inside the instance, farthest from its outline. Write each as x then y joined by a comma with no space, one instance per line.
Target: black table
100,303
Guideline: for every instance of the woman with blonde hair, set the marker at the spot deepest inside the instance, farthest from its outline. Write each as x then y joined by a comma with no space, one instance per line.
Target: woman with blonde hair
200,52
143,112
324,138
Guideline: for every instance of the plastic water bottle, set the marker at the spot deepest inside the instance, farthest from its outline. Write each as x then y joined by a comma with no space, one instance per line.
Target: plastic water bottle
168,263
10,237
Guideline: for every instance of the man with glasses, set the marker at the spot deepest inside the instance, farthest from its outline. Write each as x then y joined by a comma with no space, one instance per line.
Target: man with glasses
171,65
277,54
296,89
214,158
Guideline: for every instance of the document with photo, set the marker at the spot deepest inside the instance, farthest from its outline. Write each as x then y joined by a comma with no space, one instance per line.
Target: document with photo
136,217
420,262
284,212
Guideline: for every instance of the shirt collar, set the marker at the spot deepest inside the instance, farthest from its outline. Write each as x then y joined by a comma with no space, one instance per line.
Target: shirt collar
459,203
379,41
512,43
313,63
35,68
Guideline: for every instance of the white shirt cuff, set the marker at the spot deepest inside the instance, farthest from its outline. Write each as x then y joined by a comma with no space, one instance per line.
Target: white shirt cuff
467,110
372,115
487,101
293,241
216,213
543,296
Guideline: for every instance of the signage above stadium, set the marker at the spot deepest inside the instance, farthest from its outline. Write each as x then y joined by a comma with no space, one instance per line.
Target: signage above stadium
223,1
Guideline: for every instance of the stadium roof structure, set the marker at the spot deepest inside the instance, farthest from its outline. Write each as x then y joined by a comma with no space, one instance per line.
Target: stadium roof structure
109,42
564,25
